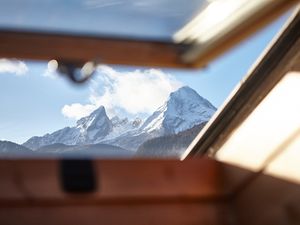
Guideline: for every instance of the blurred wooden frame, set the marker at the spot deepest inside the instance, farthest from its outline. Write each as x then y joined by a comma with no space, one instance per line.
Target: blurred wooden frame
129,192
80,49
282,56
142,192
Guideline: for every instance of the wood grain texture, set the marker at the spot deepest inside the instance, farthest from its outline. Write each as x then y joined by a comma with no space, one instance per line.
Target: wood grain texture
80,49
169,214
117,179
130,192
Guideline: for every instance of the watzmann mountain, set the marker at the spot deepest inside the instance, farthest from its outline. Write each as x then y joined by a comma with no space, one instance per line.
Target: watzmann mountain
183,110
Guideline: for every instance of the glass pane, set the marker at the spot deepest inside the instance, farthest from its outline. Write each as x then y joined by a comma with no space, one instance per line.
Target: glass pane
148,19
121,111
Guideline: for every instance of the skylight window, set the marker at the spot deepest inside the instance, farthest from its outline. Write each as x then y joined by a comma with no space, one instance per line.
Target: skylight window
122,111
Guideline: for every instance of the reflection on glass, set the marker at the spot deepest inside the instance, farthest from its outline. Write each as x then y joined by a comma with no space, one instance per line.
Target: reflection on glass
146,19
218,18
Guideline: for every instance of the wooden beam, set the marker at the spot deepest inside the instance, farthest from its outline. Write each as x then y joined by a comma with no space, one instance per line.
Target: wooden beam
126,180
80,49
130,192
157,214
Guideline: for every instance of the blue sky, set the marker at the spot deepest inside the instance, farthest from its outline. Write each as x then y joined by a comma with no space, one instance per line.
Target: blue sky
34,103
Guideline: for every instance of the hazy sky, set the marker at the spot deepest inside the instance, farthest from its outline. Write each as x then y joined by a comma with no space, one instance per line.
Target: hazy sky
34,101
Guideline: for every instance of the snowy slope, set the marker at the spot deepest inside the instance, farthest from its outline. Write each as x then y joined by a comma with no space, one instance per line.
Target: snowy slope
92,129
87,130
184,109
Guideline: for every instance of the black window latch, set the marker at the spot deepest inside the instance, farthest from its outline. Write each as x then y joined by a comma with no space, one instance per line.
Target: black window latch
77,176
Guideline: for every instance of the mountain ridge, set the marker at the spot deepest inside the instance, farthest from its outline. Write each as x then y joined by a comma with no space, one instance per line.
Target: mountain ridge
184,109
10,149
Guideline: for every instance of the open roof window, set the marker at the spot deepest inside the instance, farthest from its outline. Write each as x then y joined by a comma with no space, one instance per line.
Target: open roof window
121,111
163,33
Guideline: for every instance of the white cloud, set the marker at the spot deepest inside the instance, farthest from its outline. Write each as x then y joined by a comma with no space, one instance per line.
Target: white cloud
77,111
139,91
136,92
16,67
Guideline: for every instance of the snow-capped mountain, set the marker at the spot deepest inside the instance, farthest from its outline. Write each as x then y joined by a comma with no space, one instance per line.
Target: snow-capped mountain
91,129
121,126
94,127
184,109
88,130
12,150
